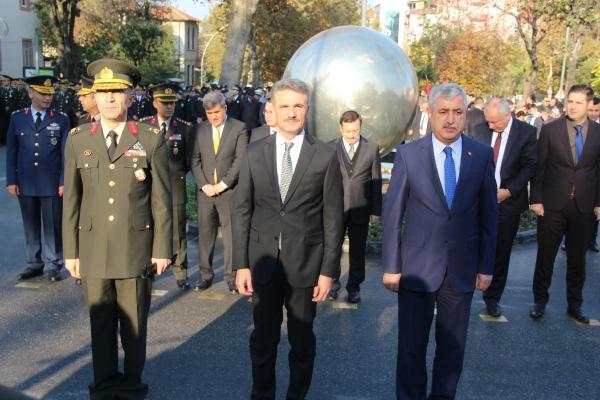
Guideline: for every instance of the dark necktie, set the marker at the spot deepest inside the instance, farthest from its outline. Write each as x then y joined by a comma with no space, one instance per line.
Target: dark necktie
163,128
38,120
449,177
113,144
497,147
578,142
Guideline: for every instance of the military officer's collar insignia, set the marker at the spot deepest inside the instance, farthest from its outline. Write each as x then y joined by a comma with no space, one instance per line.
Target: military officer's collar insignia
87,152
26,111
106,73
74,131
174,122
51,114
133,127
95,126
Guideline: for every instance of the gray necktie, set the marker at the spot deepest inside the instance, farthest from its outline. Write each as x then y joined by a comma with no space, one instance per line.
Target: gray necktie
287,171
351,152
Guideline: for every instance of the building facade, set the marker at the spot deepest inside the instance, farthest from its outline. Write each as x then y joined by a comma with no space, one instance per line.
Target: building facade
185,30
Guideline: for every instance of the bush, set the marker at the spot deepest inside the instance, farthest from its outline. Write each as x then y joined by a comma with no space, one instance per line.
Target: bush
191,208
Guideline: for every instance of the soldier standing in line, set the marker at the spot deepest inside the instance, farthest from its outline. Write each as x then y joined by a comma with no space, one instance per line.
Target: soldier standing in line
6,101
88,102
141,106
116,227
34,174
179,137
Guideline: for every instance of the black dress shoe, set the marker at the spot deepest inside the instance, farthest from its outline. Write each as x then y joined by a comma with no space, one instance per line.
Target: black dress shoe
333,295
183,284
30,273
54,275
537,311
353,297
232,288
78,281
594,247
493,309
202,285
577,314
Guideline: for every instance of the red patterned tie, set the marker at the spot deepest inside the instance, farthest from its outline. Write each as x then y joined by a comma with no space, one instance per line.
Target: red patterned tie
497,147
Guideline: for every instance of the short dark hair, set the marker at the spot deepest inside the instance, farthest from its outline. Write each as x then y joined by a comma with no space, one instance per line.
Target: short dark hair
350,116
596,100
583,89
520,113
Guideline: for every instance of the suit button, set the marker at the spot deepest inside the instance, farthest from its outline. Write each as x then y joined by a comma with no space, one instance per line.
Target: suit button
111,183
37,134
37,145
36,164
134,165
282,213
183,177
36,154
111,201
147,226
85,165
111,166
111,218
134,160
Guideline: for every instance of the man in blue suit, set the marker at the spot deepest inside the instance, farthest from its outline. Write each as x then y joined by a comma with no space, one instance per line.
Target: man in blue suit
439,235
34,174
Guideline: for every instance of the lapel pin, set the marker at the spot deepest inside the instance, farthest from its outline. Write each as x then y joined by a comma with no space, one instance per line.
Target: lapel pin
469,154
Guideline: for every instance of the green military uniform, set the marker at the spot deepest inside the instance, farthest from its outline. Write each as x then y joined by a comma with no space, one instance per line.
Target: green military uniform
117,216
178,136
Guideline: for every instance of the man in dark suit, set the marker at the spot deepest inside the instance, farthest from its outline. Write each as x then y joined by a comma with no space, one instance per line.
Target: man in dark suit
289,219
515,156
116,227
361,177
565,195
594,115
443,191
420,125
267,129
250,110
216,157
234,105
179,139
474,116
34,174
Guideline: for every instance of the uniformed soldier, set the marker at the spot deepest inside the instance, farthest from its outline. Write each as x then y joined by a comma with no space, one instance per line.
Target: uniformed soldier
87,101
117,227
34,173
194,109
64,100
22,99
141,106
6,102
178,135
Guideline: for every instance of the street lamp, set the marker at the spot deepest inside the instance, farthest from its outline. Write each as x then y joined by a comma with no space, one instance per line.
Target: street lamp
204,52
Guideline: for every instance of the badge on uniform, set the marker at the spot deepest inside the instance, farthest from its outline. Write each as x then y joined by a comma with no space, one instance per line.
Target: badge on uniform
137,150
175,137
140,175
53,127
87,152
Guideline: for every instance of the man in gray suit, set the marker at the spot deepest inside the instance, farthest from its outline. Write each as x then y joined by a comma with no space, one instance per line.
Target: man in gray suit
361,177
269,127
220,143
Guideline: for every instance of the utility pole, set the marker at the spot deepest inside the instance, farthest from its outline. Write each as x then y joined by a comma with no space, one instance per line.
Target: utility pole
364,13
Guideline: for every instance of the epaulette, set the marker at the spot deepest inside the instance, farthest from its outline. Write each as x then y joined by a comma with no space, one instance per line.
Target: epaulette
17,111
183,121
144,119
74,131
63,114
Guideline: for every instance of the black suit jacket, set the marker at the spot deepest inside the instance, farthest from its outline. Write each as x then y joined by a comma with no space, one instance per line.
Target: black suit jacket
234,139
474,117
310,219
362,187
259,133
518,163
557,175
250,110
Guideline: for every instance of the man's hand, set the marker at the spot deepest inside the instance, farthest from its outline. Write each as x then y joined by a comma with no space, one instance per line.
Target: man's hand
220,187
538,209
243,281
392,282
597,213
483,281
209,190
503,194
161,264
322,289
61,191
13,189
374,219
72,265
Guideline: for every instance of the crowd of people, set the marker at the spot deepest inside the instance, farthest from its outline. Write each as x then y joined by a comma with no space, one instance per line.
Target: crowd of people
109,196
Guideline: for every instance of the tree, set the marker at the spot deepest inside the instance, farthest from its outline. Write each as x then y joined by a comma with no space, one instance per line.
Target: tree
57,18
596,77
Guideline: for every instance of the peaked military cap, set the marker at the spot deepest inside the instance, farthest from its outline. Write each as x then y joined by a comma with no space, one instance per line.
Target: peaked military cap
110,74
86,86
165,92
41,83
5,78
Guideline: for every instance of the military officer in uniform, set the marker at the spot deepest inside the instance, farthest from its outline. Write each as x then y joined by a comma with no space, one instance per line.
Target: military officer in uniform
141,106
87,101
6,103
34,174
117,227
178,136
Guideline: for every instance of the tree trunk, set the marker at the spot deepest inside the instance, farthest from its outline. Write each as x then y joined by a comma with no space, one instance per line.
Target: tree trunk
240,23
574,57
549,79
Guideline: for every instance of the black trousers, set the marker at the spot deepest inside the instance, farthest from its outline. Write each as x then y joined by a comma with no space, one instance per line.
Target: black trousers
268,302
118,305
179,242
357,237
415,314
213,212
577,229
508,224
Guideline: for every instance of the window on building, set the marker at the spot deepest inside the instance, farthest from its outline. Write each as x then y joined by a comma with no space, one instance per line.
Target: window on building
25,5
27,52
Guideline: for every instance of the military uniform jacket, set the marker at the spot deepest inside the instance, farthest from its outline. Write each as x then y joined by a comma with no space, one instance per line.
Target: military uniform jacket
140,108
34,158
179,142
116,215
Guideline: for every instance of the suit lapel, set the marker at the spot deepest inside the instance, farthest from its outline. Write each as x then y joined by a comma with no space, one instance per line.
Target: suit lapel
99,144
513,137
125,142
47,119
224,136
306,154
563,134
339,150
270,161
466,160
430,169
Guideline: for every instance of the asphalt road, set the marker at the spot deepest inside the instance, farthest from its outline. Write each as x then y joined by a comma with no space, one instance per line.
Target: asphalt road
198,345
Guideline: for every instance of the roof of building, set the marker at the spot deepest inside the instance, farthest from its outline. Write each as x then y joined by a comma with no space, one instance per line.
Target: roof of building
169,13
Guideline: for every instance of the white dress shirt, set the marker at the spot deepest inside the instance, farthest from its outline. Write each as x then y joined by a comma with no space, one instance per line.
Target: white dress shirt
119,131
34,112
503,140
440,157
294,151
423,123
347,147
166,121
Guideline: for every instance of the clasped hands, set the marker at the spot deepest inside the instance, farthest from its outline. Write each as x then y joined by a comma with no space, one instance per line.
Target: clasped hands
72,265
214,190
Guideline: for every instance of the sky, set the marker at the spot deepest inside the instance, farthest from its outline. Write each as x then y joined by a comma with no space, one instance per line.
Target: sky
197,8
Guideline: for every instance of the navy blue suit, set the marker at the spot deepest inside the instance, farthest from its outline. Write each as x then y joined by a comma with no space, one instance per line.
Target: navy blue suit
34,162
439,252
